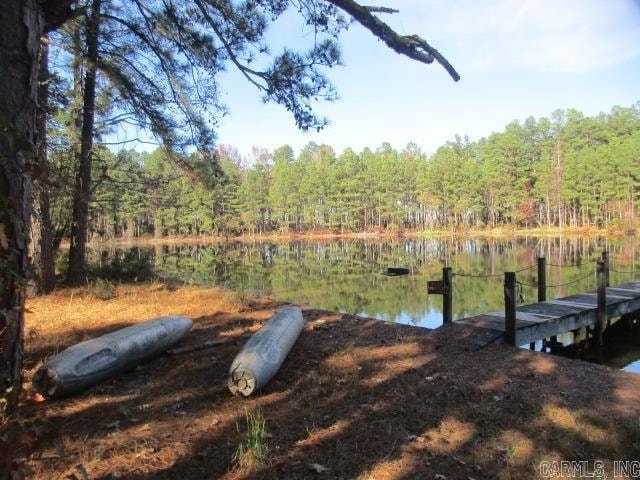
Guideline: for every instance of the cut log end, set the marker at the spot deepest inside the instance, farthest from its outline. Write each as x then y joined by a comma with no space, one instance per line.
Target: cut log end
242,381
263,354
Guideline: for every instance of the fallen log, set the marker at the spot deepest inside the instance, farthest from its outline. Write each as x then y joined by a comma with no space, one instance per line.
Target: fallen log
93,361
263,354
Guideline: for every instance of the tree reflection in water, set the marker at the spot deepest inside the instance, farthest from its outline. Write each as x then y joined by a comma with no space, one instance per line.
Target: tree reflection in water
344,274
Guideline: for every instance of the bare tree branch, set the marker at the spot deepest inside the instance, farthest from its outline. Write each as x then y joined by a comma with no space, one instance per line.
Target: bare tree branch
131,140
411,46
380,9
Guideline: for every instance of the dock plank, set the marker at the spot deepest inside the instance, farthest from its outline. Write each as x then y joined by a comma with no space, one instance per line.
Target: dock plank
522,316
571,303
537,321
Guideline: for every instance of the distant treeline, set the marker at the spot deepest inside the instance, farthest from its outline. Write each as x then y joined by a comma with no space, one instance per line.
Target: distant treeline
567,170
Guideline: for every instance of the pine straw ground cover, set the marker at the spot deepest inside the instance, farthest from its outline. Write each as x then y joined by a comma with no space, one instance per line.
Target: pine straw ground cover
356,398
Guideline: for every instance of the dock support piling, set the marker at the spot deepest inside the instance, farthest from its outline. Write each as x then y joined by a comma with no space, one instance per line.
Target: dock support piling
510,308
601,318
542,286
447,298
542,279
605,259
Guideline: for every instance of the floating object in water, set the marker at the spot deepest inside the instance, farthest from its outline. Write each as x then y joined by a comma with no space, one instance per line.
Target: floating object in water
266,350
396,271
90,362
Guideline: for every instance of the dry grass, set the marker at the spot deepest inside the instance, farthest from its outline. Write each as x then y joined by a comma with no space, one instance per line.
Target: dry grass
72,315
356,398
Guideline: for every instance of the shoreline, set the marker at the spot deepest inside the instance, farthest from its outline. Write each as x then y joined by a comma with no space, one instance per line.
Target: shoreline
292,237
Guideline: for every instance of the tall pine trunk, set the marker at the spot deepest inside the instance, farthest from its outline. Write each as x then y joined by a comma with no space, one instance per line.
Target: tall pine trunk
21,25
42,252
82,187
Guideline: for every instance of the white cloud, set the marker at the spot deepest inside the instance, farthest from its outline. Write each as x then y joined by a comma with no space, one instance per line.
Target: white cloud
544,35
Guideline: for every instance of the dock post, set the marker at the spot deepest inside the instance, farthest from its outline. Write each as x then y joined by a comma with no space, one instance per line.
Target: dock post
542,286
510,308
605,259
542,279
601,318
447,298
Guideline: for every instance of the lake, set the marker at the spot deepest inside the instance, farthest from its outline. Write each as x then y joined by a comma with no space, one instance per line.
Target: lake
345,274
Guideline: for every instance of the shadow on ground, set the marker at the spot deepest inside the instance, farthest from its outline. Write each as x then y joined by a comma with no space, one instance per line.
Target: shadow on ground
359,397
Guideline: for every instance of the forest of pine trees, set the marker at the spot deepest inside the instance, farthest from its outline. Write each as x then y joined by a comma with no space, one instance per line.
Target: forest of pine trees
564,171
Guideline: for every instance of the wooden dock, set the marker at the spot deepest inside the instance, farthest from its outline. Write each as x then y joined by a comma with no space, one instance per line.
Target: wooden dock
538,321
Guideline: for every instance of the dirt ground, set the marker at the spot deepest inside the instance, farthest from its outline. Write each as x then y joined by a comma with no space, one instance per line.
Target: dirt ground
356,398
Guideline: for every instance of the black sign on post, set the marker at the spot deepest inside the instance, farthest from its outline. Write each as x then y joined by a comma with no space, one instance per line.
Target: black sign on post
444,287
437,287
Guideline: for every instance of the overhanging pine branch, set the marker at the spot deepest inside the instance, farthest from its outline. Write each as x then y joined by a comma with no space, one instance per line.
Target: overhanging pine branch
411,46
248,73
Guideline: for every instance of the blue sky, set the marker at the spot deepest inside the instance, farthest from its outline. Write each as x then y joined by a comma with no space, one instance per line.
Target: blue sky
516,58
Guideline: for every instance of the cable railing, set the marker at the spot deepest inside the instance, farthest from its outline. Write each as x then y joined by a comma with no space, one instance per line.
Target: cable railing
600,274
514,294
463,274
559,284
628,272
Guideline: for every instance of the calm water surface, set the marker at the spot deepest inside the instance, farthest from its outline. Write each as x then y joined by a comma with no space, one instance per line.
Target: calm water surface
344,275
